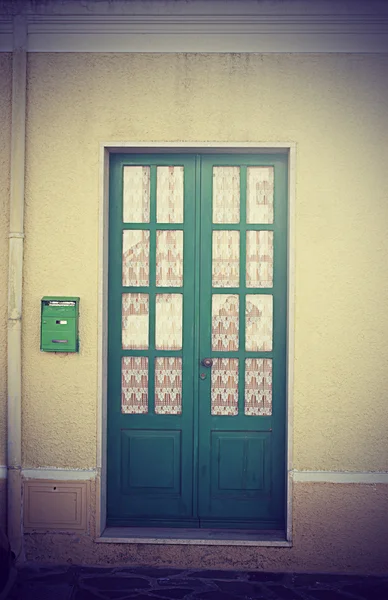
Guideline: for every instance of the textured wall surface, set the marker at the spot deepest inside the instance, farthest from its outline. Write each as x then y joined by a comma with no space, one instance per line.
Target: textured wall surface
337,528
5,149
334,107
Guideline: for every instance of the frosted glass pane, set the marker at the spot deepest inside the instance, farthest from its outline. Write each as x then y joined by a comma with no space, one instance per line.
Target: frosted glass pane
225,322
258,315
259,264
135,321
258,387
169,195
224,386
225,263
260,186
168,385
134,385
136,195
169,258
226,194
136,253
168,326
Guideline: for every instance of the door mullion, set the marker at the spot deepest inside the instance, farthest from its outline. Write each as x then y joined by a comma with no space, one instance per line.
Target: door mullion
197,349
152,292
242,294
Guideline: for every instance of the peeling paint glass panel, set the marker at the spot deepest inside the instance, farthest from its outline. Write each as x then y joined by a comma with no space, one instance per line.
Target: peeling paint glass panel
168,322
224,386
226,259
225,322
258,323
226,194
258,387
169,258
136,195
134,385
168,385
136,253
135,321
169,195
259,259
260,190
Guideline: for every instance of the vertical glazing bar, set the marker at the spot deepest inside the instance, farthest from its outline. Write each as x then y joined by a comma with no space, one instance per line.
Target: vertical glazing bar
152,301
243,246
197,241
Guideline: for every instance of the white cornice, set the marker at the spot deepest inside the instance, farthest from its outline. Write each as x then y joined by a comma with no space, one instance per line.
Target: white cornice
6,34
188,31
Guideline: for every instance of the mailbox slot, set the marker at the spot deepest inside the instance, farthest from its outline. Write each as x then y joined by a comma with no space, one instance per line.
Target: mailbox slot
59,324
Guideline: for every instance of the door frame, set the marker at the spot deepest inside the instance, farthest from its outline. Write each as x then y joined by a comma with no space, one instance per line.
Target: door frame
107,148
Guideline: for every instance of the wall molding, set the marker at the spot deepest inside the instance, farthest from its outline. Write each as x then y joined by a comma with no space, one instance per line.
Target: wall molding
55,474
60,474
220,27
340,476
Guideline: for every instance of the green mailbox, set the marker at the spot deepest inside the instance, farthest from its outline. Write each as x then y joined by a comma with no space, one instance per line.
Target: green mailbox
59,324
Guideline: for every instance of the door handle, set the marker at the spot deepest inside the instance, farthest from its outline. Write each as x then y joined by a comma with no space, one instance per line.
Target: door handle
207,362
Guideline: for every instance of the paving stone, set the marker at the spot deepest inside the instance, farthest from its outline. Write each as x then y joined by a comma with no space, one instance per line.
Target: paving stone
169,581
51,578
116,595
264,576
154,572
241,588
215,574
284,593
369,592
84,595
92,570
43,592
141,597
173,592
115,582
214,596
326,594
316,580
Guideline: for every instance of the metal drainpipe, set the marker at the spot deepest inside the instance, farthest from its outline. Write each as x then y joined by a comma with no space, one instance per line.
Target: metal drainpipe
15,277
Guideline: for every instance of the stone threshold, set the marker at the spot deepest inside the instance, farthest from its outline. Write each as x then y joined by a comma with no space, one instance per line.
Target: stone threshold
209,537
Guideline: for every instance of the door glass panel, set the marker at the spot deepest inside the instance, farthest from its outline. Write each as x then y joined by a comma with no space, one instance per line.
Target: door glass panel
169,258
260,188
168,322
135,321
134,385
259,265
136,251
169,195
224,386
225,322
136,195
168,385
258,387
225,263
226,194
258,315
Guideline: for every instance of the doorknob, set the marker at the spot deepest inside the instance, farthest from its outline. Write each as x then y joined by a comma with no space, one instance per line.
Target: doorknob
207,362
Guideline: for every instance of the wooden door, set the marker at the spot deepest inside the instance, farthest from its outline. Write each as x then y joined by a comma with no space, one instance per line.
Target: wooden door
197,270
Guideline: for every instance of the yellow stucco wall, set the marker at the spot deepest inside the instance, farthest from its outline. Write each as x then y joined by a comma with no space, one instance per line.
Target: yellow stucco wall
335,108
5,148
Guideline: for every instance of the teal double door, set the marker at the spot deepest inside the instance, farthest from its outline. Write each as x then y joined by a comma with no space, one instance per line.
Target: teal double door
197,341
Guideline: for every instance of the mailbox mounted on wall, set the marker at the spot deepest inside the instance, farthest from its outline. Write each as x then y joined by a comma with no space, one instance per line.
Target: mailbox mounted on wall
59,324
